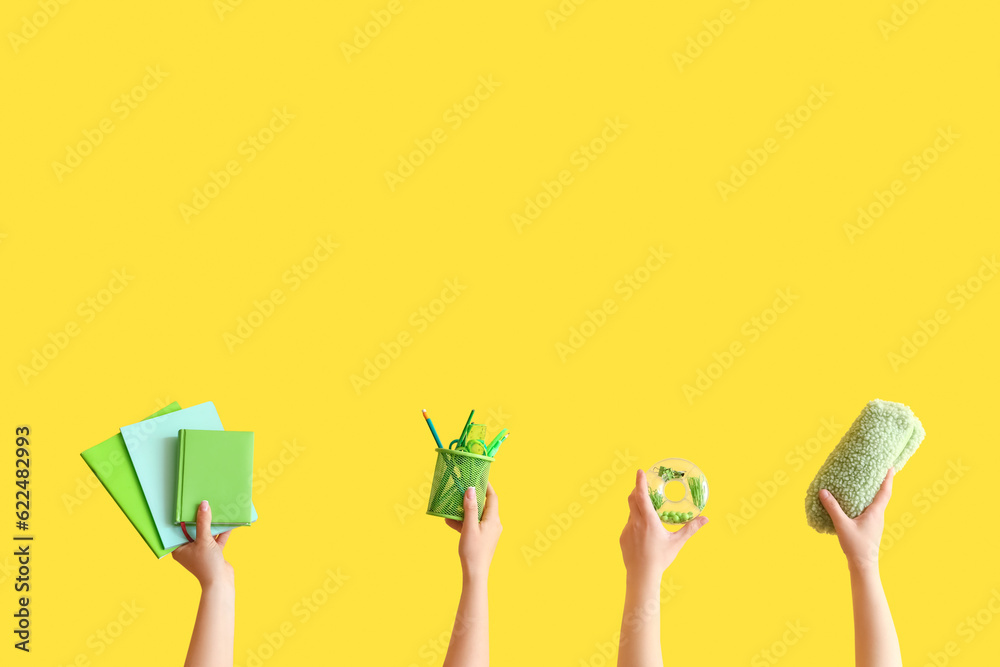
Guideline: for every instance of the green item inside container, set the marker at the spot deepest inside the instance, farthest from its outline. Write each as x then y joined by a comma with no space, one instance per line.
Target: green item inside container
676,517
678,490
454,473
697,491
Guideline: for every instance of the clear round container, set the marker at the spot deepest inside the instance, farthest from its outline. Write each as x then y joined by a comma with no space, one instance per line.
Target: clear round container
678,490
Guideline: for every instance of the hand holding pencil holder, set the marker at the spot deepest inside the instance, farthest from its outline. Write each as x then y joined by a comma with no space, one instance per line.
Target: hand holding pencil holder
454,473
463,464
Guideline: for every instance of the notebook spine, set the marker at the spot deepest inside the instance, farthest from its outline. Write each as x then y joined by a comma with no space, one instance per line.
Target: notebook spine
181,436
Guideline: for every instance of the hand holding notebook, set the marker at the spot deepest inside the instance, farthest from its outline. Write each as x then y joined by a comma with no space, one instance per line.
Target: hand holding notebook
153,447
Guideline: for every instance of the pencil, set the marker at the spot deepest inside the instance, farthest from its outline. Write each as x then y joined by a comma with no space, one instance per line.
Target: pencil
430,425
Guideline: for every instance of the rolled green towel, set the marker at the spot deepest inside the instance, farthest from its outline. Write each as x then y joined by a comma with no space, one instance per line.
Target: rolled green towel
884,435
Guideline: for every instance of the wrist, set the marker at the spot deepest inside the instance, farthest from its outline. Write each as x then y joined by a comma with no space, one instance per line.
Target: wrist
220,584
475,576
642,579
863,569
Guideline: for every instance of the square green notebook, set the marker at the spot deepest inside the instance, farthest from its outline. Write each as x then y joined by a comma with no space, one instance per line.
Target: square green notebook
216,466
113,466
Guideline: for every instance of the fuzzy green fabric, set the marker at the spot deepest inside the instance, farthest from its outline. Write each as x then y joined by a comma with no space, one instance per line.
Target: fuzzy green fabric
884,435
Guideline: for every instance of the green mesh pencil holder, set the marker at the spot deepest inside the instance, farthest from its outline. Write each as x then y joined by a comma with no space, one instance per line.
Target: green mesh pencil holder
454,473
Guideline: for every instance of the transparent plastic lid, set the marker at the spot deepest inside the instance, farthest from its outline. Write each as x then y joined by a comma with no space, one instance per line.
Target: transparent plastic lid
678,489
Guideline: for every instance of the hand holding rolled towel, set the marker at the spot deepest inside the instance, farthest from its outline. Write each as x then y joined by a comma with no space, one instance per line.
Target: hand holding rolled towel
883,436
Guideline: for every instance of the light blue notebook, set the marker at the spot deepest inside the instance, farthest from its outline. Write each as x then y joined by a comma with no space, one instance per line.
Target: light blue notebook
152,446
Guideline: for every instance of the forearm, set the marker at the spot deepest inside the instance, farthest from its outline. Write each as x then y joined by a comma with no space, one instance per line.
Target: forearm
639,644
214,628
875,641
470,638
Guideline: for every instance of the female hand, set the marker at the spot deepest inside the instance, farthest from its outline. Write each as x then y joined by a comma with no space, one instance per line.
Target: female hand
479,538
203,558
648,548
859,538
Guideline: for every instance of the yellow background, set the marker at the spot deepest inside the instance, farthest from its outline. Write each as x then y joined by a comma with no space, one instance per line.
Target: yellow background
337,504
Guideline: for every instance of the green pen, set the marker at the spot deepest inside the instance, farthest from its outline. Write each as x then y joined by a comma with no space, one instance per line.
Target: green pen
496,442
465,430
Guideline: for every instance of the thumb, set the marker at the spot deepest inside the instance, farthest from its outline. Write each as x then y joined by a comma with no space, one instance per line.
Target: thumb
689,529
834,509
204,523
471,507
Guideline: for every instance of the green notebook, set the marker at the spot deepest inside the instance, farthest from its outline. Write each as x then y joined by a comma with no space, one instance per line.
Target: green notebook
216,466
113,466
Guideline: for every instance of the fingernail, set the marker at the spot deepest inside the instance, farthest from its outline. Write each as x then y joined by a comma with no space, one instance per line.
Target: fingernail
824,493
470,492
203,507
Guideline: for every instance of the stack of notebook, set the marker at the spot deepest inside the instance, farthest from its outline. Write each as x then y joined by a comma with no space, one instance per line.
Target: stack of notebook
160,469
